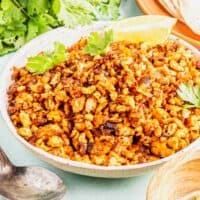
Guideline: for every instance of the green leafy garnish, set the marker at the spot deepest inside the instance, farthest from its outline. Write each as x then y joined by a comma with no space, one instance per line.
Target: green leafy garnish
97,45
41,63
190,94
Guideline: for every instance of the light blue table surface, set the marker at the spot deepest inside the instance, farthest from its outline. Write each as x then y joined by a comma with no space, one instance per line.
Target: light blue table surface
79,187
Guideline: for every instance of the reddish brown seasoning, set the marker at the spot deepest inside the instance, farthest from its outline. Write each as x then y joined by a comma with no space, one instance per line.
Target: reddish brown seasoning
117,109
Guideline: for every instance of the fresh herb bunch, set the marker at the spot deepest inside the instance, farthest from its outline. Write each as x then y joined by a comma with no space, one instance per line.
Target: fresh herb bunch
190,94
22,20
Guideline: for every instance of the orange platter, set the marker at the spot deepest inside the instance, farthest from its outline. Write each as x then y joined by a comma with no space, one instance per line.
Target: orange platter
181,30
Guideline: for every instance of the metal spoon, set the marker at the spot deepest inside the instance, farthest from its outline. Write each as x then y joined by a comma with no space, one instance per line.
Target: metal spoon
28,183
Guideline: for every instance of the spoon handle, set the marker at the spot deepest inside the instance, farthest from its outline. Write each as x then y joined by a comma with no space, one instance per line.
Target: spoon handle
4,160
5,165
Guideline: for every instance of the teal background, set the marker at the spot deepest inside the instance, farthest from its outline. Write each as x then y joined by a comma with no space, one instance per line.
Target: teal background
79,187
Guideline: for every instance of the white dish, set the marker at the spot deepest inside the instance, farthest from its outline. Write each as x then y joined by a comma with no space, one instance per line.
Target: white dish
68,37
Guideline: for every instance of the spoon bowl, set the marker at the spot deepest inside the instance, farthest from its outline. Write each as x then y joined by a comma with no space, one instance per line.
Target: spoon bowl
33,183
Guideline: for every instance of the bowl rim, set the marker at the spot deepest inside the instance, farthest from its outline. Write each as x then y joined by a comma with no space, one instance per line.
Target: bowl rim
65,161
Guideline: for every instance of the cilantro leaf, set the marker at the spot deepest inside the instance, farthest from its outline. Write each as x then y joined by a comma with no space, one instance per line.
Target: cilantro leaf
108,10
33,30
23,3
41,63
40,24
190,94
97,45
73,12
59,54
36,7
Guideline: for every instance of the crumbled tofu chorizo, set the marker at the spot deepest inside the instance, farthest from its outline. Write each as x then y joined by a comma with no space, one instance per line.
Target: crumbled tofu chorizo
115,109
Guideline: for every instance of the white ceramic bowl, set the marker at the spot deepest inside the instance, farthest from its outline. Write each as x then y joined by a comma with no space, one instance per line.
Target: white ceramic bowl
44,42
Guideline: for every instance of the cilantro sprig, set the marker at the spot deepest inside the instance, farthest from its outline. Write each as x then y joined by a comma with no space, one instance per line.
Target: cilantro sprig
41,63
97,45
190,94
